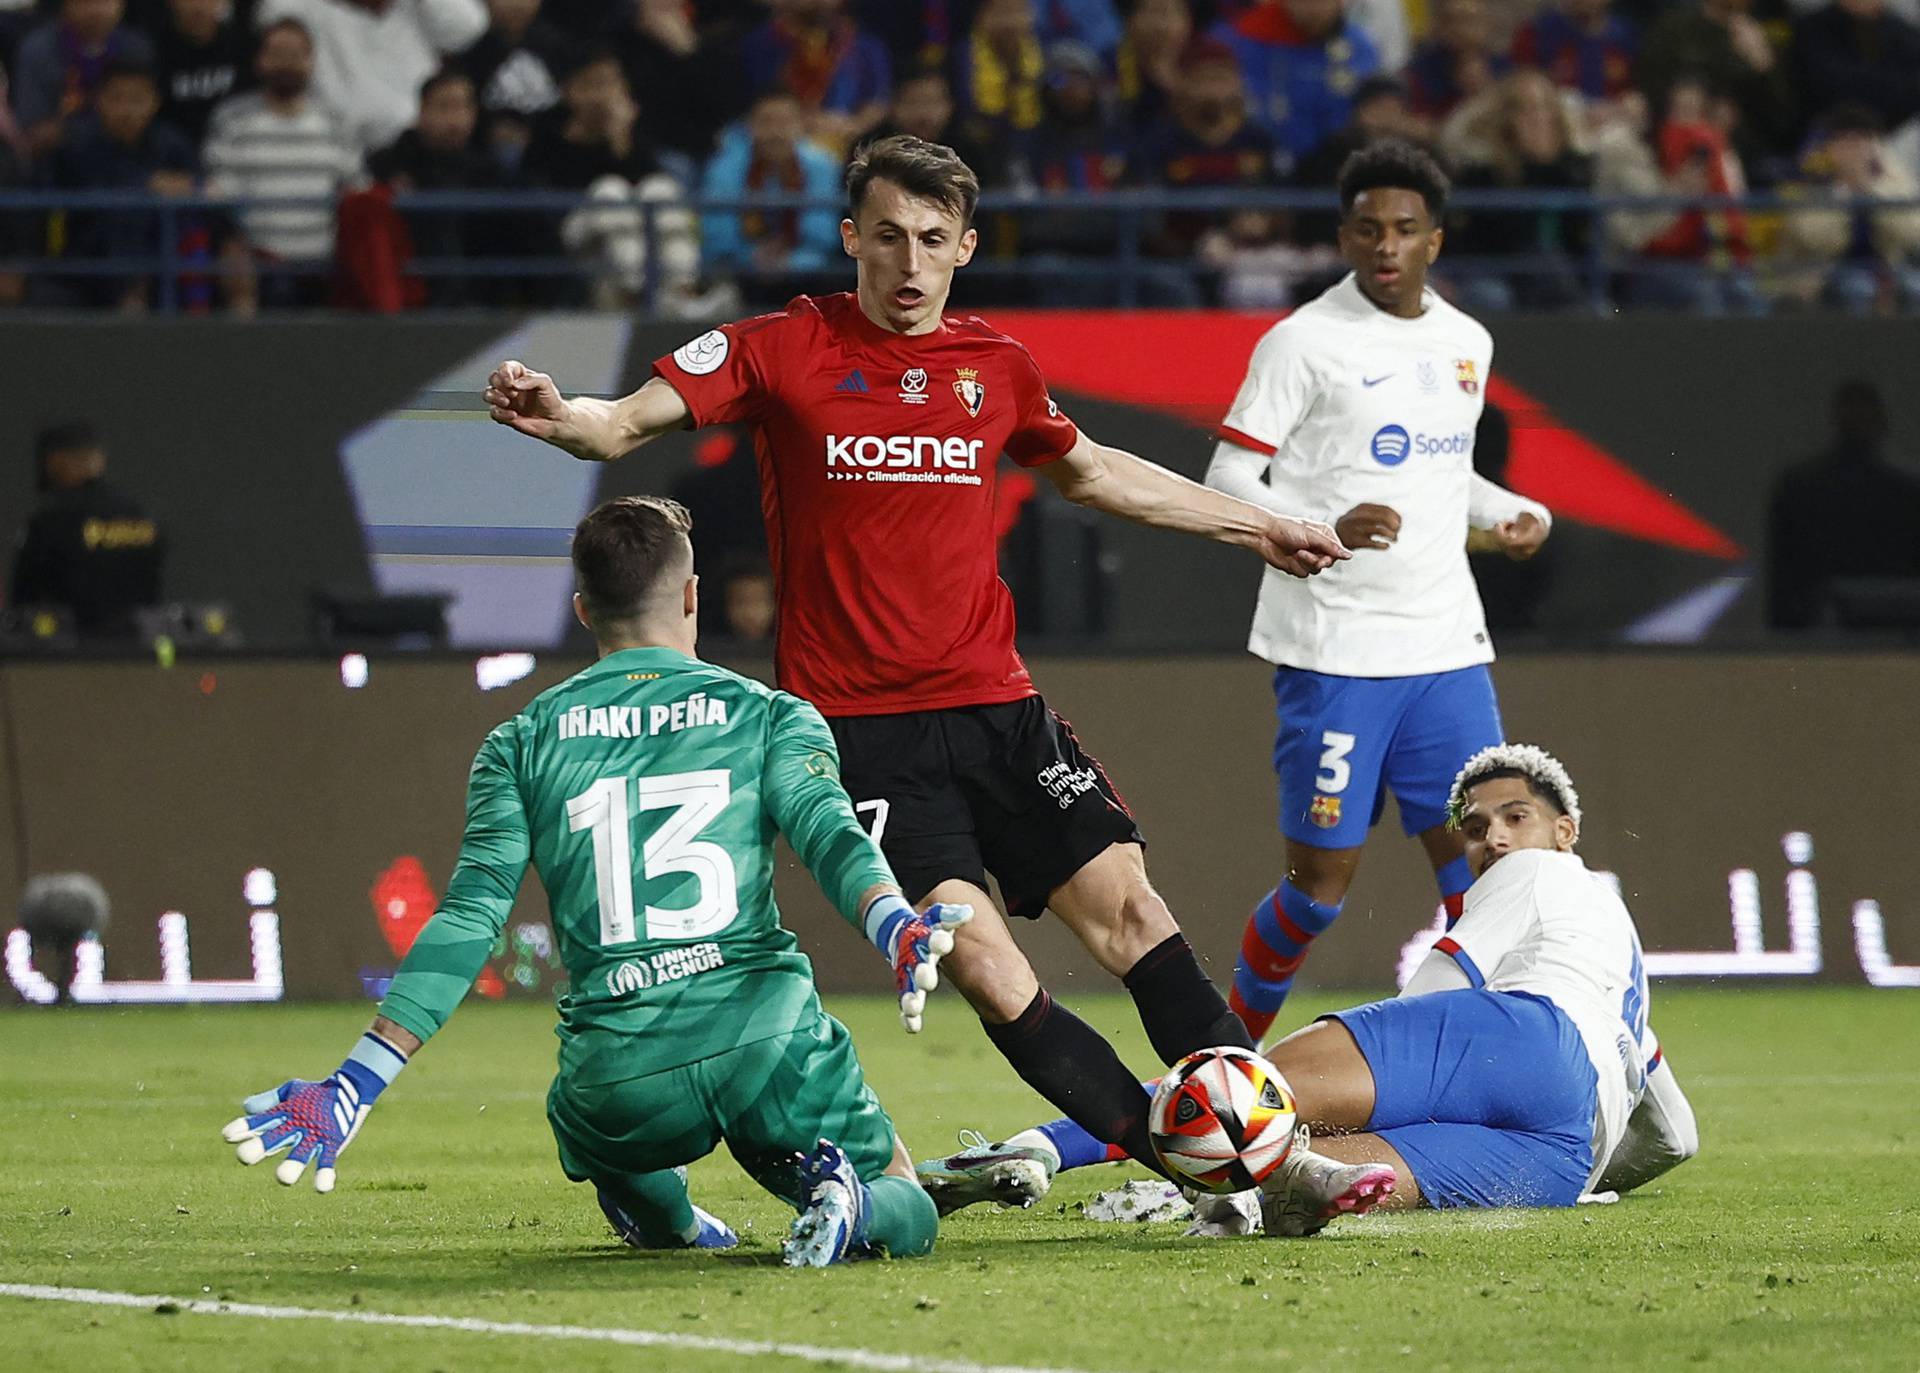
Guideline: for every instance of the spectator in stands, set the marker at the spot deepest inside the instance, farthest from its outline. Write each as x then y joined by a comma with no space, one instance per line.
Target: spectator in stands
1856,252
841,75
1078,146
1208,139
371,56
1457,62
1581,45
1851,504
88,549
770,154
594,143
999,71
442,152
1093,24
685,76
61,64
120,146
1855,50
1148,61
280,142
1693,260
513,69
1531,145
747,601
1722,43
1381,109
923,106
19,232
203,59
1301,61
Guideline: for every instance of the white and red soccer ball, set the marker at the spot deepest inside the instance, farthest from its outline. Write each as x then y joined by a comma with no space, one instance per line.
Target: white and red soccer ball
1222,1120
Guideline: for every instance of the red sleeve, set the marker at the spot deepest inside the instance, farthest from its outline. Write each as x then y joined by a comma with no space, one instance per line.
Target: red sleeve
725,375
1041,434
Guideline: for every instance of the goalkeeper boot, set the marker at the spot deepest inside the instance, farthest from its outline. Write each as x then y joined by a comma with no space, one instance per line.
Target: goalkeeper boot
1005,1173
832,1225
713,1233
1309,1189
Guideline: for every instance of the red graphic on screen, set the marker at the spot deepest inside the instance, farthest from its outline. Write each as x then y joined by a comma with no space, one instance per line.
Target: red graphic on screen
403,902
1189,364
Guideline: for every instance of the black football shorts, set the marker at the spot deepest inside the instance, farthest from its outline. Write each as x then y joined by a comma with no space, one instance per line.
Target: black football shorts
960,793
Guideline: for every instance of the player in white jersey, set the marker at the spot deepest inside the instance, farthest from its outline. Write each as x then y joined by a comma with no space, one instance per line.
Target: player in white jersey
1514,1070
1359,409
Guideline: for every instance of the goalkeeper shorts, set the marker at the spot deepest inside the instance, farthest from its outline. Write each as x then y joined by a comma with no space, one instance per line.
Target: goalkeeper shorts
768,1101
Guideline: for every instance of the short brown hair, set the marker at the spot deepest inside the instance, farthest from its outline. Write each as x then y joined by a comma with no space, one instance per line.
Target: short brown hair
622,549
931,171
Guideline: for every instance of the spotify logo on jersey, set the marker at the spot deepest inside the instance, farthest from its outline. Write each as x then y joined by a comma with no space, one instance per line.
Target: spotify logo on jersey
1391,445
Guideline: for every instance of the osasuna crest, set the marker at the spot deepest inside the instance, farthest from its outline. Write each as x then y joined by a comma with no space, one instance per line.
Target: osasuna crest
1467,373
972,394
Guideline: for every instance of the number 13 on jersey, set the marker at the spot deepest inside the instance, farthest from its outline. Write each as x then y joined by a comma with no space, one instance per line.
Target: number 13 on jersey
696,799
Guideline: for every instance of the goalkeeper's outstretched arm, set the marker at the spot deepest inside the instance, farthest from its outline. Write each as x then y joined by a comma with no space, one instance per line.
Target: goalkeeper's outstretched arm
805,800
315,1121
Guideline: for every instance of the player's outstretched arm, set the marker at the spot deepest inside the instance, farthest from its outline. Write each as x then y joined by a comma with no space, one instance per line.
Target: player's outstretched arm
315,1121
1503,521
590,429
1120,483
804,798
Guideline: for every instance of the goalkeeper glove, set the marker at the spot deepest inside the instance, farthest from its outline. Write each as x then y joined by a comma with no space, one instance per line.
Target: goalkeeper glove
314,1121
914,942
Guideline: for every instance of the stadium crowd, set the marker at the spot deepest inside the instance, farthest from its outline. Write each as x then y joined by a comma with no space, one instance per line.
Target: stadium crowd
337,105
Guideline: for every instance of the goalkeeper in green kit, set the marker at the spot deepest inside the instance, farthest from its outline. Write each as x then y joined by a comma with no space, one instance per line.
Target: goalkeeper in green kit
648,791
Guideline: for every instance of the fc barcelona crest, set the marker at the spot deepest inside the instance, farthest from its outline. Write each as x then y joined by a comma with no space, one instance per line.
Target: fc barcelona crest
967,386
1467,373
1325,811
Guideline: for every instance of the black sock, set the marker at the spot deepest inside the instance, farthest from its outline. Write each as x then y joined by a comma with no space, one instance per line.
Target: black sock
1064,1059
1181,1008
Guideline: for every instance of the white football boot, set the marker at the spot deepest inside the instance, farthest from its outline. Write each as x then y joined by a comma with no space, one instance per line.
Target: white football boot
1308,1190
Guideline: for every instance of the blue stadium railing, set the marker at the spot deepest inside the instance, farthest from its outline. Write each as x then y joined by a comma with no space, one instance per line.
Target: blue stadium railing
1589,268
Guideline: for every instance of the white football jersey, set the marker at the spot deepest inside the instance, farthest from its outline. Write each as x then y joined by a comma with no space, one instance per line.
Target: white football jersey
1345,404
1537,921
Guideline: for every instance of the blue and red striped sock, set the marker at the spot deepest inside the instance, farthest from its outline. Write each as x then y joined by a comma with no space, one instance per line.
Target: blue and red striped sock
1454,879
1284,923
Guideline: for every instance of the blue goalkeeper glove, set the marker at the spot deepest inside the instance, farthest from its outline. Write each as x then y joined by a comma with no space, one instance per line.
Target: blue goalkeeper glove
914,942
315,1121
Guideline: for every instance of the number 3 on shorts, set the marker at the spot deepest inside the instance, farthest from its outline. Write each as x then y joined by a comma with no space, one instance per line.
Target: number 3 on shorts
1335,771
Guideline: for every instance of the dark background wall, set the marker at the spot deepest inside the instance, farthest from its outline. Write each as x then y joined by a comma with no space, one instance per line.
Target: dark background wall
232,433
170,785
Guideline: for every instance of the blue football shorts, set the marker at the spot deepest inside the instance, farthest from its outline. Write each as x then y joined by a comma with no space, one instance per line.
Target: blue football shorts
1489,1096
1344,742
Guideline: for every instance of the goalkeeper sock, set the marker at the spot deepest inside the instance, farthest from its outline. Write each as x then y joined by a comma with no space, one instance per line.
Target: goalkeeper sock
1178,1003
901,1217
1283,924
657,1206
1064,1059
1454,879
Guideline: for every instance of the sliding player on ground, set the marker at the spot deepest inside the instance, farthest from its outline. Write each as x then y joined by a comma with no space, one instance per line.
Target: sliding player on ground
879,424
1360,408
648,791
1516,1068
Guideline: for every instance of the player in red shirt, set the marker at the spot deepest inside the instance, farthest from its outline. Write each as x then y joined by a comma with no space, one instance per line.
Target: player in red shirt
878,424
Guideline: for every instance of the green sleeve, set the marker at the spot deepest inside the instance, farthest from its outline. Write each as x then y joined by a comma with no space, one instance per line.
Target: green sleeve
803,794
450,952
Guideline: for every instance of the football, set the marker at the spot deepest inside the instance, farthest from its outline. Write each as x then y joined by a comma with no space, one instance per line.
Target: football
1222,1120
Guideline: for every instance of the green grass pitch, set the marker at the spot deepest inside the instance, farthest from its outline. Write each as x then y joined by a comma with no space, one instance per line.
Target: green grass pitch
1793,1241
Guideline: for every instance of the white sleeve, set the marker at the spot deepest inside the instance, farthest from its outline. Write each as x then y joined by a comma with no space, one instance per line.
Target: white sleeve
1242,473
1279,387
1489,504
1661,1133
1438,972
1502,909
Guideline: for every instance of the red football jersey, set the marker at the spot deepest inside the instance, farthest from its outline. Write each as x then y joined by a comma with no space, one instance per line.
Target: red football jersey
877,458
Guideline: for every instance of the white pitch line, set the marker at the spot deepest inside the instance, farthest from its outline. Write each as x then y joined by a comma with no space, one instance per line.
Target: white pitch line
714,1344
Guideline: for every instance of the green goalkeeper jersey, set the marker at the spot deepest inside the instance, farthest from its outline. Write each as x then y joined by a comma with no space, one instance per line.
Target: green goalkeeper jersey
647,791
